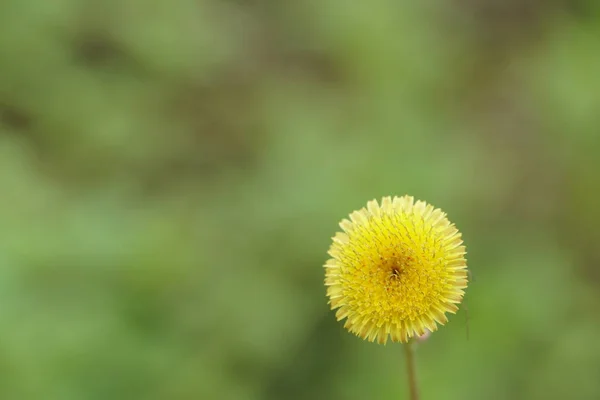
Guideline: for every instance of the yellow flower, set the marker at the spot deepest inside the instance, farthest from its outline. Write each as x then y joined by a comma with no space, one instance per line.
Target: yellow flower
396,270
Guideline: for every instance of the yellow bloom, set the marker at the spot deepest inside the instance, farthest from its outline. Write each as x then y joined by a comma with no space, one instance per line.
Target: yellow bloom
396,270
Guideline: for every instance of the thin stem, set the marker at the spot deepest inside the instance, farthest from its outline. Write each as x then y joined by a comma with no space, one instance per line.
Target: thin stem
412,370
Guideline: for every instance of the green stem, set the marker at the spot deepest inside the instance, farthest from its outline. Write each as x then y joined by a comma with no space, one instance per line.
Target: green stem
411,370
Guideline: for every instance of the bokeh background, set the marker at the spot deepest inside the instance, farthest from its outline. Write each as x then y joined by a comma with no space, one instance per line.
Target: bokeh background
172,171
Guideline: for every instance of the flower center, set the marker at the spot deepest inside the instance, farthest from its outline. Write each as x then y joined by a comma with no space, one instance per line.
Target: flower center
396,271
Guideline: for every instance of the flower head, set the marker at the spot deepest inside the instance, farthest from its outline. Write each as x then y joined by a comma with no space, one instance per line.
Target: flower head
396,270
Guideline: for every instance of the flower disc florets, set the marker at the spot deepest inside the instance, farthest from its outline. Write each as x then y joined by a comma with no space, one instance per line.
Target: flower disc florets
396,270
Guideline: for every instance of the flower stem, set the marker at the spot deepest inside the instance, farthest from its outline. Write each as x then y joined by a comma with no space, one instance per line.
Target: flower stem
409,350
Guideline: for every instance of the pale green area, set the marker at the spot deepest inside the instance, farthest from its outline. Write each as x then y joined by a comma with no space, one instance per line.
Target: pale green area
171,172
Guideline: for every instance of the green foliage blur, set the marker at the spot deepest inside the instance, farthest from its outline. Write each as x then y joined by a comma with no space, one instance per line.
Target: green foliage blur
172,171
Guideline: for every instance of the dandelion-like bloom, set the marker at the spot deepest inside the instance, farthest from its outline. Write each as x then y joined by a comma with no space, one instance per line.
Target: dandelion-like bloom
396,270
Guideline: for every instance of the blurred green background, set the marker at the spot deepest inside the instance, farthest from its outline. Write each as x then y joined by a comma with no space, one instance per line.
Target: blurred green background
172,171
